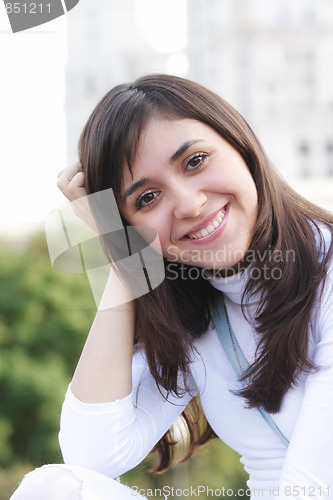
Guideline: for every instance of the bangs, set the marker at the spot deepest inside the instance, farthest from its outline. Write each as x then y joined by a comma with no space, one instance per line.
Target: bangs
111,137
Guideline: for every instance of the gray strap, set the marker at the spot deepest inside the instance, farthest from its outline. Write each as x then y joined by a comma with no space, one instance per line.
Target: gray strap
235,355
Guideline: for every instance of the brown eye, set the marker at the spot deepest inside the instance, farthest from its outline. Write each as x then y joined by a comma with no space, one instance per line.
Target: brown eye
196,161
146,199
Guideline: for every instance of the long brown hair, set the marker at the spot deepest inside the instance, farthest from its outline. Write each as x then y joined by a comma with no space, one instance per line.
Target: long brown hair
286,222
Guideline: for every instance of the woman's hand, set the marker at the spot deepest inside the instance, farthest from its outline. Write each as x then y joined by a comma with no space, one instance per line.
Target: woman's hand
71,181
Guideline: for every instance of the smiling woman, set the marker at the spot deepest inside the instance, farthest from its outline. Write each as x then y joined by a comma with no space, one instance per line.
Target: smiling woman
236,321
197,181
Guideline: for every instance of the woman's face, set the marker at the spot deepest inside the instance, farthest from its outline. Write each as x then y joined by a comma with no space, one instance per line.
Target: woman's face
195,190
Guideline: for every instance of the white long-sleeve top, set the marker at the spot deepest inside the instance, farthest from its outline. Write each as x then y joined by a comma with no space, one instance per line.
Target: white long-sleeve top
112,438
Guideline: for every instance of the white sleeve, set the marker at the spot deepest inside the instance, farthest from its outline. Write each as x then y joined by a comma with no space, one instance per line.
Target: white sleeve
112,438
308,467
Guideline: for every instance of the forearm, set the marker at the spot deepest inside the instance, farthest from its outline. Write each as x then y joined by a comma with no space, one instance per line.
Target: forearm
104,371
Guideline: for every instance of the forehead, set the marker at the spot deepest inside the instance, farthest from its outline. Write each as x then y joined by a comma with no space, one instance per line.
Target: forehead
163,135
161,140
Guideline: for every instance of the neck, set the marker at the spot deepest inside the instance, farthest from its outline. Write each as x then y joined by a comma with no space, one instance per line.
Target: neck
230,271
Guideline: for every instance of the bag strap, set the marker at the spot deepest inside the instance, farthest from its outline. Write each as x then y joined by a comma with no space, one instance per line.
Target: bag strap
236,356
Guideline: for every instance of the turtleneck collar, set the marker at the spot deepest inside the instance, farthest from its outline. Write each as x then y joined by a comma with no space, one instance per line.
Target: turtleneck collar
233,286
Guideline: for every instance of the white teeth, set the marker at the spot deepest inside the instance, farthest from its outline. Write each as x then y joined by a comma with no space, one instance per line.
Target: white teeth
210,227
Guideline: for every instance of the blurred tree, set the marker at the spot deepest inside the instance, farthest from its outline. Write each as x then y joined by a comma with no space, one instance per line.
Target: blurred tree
44,319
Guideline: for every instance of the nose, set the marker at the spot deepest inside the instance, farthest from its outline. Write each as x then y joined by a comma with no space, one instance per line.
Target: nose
188,203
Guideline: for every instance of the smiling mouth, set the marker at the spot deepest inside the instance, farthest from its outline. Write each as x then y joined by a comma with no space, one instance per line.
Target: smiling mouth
211,226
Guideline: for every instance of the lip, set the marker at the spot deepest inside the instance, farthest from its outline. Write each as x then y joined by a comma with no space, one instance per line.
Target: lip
204,223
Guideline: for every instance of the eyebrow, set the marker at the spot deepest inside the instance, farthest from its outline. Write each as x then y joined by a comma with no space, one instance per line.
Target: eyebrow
137,185
144,180
184,147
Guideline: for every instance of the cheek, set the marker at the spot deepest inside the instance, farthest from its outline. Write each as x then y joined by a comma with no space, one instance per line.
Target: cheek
249,193
252,211
254,202
154,233
142,238
167,249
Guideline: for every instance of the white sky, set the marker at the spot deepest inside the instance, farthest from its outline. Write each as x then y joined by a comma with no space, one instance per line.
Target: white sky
32,123
158,21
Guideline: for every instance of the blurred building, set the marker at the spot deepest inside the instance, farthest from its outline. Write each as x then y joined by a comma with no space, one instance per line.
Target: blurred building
108,43
271,60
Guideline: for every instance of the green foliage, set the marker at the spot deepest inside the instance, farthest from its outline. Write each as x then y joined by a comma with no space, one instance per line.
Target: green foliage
11,477
45,316
44,319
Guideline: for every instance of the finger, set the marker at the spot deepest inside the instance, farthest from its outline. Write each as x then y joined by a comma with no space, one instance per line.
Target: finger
68,174
70,171
78,181
73,189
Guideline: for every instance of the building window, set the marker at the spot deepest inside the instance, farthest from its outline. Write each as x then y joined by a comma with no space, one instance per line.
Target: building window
304,154
329,157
